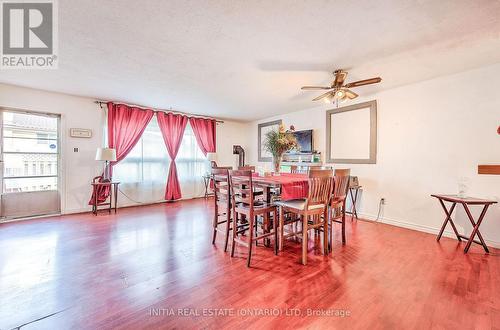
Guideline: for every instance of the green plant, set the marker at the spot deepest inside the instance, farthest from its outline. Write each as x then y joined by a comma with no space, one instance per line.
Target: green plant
279,141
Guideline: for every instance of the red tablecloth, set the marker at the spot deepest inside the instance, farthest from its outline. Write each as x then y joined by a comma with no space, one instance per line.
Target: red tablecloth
293,186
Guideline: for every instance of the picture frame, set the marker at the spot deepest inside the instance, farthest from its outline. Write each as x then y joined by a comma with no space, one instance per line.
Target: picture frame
263,128
351,134
80,133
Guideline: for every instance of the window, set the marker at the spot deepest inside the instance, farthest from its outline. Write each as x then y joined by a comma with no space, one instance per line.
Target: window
29,141
143,173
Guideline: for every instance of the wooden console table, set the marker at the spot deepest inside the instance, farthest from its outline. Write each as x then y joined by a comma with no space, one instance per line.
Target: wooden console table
113,192
465,201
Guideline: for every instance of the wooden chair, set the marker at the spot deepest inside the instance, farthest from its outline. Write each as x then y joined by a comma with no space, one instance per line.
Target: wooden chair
298,170
222,203
304,169
314,206
246,168
246,205
338,200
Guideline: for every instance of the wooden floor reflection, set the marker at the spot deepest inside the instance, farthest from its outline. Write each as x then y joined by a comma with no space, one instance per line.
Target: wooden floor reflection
137,268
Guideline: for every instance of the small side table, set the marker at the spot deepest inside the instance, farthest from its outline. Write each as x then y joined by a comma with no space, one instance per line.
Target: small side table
354,198
465,201
113,195
206,181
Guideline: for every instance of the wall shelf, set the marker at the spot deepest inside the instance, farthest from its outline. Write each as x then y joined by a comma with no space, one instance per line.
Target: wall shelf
488,169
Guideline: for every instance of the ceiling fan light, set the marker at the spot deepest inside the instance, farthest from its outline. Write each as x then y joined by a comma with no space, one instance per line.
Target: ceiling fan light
340,94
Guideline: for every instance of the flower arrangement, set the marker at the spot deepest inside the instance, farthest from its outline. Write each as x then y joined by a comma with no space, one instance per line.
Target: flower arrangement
277,142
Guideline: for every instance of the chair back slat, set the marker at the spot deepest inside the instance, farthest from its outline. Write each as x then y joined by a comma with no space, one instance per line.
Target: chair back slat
241,187
298,170
220,177
320,186
342,177
222,168
305,169
246,168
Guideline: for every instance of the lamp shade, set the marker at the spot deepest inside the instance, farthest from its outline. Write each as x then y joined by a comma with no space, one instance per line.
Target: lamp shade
107,154
211,156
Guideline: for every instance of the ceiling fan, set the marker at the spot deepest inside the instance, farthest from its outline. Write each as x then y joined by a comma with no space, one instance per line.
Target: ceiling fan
339,91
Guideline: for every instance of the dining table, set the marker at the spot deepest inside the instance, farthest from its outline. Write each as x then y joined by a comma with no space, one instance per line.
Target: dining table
289,185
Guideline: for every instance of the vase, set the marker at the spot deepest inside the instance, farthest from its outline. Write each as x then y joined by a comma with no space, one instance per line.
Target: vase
277,163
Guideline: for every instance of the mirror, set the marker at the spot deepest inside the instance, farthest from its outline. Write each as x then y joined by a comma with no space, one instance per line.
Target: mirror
351,134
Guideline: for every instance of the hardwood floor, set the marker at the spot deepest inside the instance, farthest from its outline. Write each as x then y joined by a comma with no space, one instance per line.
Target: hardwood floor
117,271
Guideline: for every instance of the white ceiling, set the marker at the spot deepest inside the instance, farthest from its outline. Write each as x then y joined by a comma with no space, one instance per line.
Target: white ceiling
247,59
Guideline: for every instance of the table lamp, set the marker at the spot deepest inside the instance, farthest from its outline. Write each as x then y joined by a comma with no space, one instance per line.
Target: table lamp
107,155
212,156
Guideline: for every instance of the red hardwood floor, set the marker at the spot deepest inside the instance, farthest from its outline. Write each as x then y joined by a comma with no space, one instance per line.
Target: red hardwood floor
116,271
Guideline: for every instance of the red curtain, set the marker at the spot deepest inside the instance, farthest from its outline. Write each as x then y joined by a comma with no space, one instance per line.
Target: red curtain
172,128
125,127
204,131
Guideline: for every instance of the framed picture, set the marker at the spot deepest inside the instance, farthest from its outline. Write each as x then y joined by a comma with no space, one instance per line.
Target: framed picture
351,134
264,155
80,132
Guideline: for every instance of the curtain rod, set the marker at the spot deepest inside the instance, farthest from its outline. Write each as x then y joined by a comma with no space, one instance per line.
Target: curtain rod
100,102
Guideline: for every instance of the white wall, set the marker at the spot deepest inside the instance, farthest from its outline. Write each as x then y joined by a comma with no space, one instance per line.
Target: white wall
79,168
429,135
229,134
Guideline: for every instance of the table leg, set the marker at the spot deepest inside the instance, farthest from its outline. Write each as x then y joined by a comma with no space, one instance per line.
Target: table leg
304,238
281,228
354,212
267,194
116,196
94,207
476,227
110,198
448,218
205,182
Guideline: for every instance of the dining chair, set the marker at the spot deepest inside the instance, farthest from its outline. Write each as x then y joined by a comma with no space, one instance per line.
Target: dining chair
295,169
222,204
338,200
312,210
246,168
246,204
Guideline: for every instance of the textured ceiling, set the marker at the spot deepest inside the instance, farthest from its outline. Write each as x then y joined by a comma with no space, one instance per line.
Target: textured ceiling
247,59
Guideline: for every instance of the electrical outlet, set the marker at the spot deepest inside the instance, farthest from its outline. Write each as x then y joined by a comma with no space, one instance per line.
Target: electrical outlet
382,201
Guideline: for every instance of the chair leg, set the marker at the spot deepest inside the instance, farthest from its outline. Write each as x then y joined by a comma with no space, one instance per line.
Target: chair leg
281,228
228,228
275,228
325,233
332,230
235,230
343,224
304,239
216,218
256,222
250,238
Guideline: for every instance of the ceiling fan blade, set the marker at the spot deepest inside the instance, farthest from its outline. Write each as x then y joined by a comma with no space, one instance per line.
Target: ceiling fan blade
364,82
322,96
339,78
350,94
314,88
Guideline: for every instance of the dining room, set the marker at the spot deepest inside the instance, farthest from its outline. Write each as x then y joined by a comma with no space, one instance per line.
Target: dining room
256,165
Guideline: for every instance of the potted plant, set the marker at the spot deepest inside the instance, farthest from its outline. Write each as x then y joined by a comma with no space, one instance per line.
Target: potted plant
277,142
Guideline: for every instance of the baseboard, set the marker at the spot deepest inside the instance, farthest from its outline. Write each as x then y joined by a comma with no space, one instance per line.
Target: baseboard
417,227
89,208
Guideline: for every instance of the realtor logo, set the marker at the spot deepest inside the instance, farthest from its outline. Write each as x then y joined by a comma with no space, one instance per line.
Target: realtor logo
29,32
